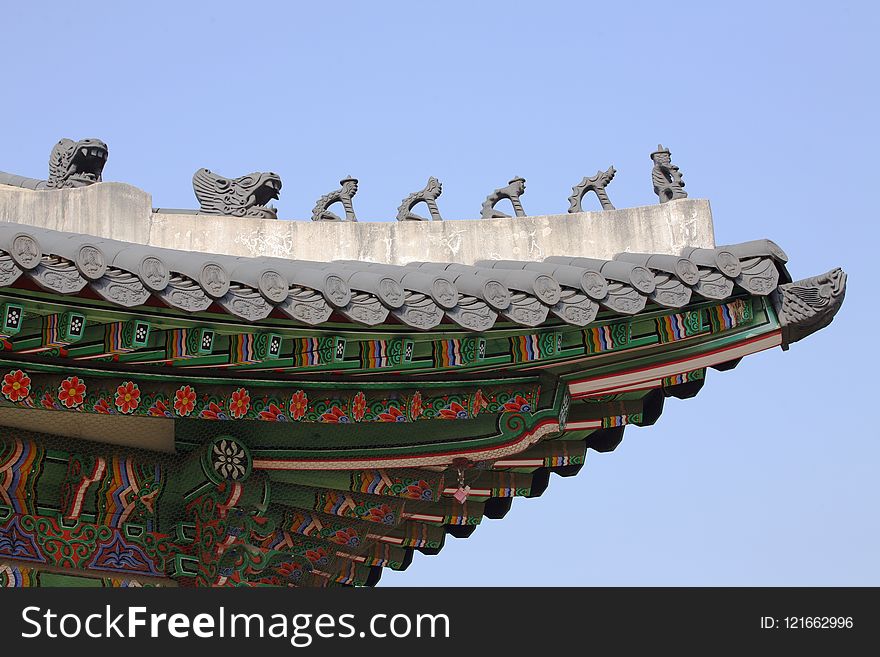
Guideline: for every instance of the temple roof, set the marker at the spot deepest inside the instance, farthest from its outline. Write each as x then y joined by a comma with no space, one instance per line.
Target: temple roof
331,406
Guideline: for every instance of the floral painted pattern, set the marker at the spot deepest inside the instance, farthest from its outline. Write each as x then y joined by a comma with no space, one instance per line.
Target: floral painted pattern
101,406
213,412
239,403
16,386
480,401
419,491
518,404
382,514
415,406
71,391
273,414
229,460
336,416
155,399
359,407
299,404
290,571
184,401
454,411
318,557
128,397
393,414
159,409
346,536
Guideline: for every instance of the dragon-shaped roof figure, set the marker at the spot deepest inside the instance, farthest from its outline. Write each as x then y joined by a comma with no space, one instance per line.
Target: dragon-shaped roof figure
247,196
71,164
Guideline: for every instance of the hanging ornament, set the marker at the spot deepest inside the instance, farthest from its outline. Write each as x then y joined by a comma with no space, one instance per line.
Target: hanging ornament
461,494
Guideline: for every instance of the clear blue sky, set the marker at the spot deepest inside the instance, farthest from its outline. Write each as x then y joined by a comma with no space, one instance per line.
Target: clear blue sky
770,475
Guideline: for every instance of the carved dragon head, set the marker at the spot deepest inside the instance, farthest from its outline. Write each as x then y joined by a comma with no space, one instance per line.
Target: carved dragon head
248,196
76,163
810,304
434,188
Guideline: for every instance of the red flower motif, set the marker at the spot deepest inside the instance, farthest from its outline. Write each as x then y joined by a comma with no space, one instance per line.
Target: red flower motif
16,386
419,491
127,397
290,570
184,401
48,402
71,391
359,407
336,416
240,403
346,536
382,514
101,406
415,406
318,557
299,404
454,411
159,409
393,414
273,414
213,412
519,405
480,402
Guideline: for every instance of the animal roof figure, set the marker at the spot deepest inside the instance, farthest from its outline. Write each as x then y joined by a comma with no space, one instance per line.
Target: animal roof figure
667,179
71,164
344,195
428,195
514,189
247,196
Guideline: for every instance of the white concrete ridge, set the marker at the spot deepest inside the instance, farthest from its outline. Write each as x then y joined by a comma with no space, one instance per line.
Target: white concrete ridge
122,212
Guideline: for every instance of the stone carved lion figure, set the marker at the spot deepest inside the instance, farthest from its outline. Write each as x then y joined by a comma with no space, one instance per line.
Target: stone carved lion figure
247,196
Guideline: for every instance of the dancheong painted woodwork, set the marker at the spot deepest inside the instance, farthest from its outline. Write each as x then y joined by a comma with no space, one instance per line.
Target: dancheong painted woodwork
173,418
